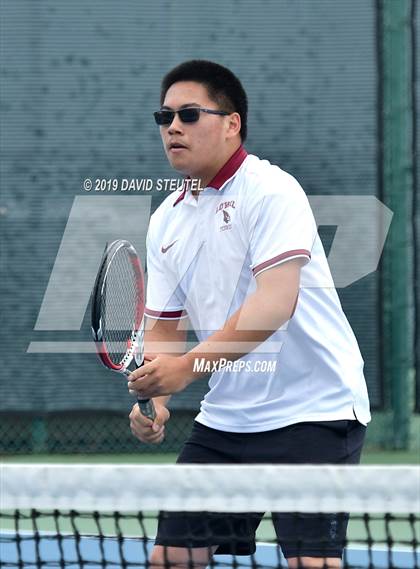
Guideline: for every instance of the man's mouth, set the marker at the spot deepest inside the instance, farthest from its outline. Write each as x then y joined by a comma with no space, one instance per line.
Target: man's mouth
176,146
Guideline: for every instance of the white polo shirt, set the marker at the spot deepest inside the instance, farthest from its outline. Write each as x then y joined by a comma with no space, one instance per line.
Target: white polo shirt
203,256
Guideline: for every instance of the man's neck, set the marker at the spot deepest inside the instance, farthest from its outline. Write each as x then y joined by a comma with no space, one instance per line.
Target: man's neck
206,178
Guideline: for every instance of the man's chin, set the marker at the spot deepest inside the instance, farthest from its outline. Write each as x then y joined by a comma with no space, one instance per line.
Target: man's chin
179,165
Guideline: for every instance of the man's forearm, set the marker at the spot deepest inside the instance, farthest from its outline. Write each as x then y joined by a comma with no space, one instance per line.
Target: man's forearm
163,400
245,330
261,314
172,336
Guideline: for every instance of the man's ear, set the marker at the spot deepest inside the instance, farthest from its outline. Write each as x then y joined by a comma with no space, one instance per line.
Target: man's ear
234,125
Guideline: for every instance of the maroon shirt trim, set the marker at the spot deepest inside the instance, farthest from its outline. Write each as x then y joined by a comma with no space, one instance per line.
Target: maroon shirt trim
182,194
282,257
225,172
229,169
165,314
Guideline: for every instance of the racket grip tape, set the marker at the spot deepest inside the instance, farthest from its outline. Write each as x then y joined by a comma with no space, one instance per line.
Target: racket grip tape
147,408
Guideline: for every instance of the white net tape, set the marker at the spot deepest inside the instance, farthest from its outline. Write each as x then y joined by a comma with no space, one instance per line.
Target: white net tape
255,488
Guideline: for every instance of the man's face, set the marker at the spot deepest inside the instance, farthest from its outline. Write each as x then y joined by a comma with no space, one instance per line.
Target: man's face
194,149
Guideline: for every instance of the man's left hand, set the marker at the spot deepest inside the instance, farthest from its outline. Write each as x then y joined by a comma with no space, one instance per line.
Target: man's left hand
162,376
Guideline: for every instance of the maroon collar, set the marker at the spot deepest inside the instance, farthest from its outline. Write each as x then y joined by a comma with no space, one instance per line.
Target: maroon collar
229,169
223,175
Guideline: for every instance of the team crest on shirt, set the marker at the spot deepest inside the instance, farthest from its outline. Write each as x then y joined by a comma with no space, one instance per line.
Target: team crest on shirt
226,217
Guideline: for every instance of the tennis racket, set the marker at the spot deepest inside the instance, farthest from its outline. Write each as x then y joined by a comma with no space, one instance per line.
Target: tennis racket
118,312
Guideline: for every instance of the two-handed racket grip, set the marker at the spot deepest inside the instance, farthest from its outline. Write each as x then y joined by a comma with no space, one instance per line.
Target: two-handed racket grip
147,408
145,405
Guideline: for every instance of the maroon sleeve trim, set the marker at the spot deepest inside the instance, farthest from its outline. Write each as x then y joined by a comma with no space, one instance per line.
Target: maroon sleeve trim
165,314
280,258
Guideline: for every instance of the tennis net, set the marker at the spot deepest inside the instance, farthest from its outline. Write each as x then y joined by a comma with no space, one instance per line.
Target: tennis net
105,516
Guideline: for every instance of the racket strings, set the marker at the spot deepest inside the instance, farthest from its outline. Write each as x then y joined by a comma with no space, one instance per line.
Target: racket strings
121,297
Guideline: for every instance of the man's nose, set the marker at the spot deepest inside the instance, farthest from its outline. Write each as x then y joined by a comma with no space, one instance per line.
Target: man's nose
176,125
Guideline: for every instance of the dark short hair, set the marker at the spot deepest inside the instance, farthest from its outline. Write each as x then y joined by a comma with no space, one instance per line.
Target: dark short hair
223,87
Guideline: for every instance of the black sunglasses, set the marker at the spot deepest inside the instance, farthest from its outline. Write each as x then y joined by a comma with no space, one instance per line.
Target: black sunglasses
190,114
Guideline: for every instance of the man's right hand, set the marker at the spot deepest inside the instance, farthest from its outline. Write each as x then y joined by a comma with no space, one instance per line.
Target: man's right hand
146,430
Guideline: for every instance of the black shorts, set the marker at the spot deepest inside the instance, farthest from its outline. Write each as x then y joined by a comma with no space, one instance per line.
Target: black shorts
320,535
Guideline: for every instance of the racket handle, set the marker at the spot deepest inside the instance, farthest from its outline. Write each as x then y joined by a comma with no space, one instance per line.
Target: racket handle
147,408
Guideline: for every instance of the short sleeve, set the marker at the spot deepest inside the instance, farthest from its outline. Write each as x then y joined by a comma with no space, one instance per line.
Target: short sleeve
164,300
280,225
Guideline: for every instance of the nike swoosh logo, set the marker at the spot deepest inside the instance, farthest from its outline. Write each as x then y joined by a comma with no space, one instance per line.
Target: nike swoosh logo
164,249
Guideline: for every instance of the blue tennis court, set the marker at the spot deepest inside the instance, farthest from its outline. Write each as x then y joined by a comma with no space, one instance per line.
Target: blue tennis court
114,553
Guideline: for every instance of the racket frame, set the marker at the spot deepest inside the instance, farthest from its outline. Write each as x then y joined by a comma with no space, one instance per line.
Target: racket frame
136,341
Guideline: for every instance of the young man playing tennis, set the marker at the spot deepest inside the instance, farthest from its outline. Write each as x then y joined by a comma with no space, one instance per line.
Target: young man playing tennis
243,261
